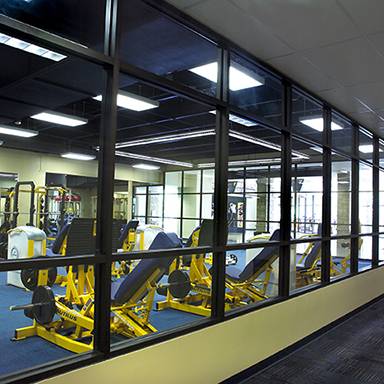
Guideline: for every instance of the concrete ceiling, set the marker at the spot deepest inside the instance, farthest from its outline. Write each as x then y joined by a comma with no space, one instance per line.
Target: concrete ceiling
335,48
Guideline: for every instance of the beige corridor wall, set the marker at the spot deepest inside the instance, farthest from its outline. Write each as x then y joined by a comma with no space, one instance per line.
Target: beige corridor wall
218,352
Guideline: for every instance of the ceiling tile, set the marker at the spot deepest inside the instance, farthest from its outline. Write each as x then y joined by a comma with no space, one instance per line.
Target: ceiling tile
182,4
369,120
242,29
344,100
370,94
367,14
301,70
302,24
351,62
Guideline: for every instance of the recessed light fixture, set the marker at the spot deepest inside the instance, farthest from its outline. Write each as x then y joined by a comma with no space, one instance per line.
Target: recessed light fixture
238,120
153,159
238,76
367,148
60,118
133,102
166,138
20,132
147,167
78,156
30,48
317,123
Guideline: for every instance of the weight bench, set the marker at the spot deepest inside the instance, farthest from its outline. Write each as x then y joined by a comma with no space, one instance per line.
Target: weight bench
76,238
243,286
131,302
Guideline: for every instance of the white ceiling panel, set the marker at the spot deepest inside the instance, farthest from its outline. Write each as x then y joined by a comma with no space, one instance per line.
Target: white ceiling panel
302,24
344,100
351,62
366,14
304,72
182,4
252,35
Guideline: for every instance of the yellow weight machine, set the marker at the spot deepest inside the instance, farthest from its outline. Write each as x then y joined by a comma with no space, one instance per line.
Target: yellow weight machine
131,302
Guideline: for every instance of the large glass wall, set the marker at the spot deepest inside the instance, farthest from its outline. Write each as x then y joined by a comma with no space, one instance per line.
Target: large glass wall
156,197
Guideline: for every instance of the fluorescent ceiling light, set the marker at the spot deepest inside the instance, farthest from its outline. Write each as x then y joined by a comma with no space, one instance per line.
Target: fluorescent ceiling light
8,175
147,167
243,163
368,148
153,159
263,143
60,118
253,140
133,102
78,156
238,77
165,138
317,123
20,132
317,149
30,48
238,120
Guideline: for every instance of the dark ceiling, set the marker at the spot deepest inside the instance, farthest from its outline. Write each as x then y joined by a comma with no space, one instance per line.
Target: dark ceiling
30,84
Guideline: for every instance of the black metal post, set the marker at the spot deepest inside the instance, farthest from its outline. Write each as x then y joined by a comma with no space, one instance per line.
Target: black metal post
221,187
355,227
285,199
106,189
375,202
327,191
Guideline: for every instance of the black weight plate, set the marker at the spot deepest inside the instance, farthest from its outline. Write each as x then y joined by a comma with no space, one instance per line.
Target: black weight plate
29,278
52,275
179,284
45,308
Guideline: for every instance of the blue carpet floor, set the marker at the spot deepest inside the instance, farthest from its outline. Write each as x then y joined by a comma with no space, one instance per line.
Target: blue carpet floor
31,352
16,356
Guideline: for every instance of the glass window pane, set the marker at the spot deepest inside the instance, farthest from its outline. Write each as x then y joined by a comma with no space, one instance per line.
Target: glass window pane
257,283
151,41
307,117
172,206
341,196
207,206
189,226
342,134
155,205
208,180
140,205
365,252
19,333
62,17
307,190
173,182
365,145
381,199
254,171
340,257
161,306
255,90
365,198
192,180
308,263
191,206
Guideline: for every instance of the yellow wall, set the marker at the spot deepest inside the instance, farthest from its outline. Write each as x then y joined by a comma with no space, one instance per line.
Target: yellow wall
218,352
33,166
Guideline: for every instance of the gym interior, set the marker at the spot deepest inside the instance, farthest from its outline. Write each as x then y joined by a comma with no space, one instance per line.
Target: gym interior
161,191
